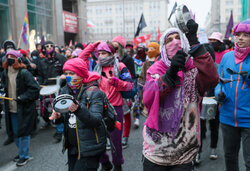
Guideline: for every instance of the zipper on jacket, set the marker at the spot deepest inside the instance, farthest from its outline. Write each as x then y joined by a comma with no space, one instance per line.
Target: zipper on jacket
231,84
96,136
236,92
78,146
243,85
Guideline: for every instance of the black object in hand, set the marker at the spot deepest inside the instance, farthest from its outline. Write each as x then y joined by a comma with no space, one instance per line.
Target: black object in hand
178,61
221,98
18,99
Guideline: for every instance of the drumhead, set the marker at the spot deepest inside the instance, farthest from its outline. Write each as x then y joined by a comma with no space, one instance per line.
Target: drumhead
207,100
62,103
49,90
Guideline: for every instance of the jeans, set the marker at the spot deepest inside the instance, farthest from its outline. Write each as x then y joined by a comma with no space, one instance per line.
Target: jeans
150,166
59,128
22,143
83,164
232,137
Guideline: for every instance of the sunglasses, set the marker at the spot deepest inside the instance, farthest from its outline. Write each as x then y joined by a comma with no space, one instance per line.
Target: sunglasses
49,45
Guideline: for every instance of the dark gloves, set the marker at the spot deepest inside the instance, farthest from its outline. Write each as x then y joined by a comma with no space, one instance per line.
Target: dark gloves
177,63
221,98
192,33
18,99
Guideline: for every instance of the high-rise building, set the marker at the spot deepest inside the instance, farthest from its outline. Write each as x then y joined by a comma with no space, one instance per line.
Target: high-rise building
220,14
121,17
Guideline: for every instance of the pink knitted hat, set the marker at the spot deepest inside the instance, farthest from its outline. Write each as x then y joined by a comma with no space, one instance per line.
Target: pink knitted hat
77,66
244,26
121,40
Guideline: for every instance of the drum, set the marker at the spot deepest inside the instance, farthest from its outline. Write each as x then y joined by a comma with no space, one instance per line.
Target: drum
209,108
49,90
182,15
62,102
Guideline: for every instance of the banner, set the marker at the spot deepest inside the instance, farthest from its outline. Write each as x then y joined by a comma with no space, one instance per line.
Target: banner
70,22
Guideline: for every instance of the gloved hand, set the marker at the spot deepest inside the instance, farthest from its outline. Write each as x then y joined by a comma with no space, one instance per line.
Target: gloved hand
114,81
18,99
177,63
221,98
192,33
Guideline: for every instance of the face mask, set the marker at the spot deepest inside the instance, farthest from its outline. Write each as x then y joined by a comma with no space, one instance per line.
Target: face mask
173,47
73,83
218,47
10,61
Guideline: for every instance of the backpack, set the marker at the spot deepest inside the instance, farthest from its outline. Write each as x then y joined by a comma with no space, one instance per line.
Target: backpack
109,113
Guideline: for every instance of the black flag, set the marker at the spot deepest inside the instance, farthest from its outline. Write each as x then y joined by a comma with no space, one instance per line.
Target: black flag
141,25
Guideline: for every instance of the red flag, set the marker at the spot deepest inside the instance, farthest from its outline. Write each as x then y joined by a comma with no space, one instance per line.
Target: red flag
141,39
158,34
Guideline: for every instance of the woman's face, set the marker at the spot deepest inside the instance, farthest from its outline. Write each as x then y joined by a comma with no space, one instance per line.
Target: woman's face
72,74
243,39
103,53
171,37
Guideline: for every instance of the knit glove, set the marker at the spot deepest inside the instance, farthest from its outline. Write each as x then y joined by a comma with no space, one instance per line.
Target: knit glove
221,97
114,81
192,32
177,63
18,99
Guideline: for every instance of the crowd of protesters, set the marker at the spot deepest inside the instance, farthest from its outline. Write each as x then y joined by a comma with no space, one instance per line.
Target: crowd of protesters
169,82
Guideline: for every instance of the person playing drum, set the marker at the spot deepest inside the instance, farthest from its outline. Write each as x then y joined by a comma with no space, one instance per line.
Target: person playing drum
84,133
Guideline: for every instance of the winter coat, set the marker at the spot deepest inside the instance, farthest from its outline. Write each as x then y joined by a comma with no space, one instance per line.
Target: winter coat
90,129
28,91
50,68
129,62
235,111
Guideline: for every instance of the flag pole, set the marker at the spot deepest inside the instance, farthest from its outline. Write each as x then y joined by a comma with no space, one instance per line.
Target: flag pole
19,41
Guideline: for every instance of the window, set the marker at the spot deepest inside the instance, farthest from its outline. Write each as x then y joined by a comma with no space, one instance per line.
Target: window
40,17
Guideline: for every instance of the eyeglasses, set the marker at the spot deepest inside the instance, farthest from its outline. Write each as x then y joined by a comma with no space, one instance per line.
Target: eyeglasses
49,45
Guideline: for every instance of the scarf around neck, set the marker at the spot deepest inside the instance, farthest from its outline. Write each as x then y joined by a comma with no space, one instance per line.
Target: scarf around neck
240,53
108,61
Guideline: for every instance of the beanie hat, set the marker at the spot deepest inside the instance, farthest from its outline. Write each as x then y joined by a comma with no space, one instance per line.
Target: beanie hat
105,47
77,66
217,36
121,40
9,44
79,45
244,26
49,42
15,53
76,52
23,52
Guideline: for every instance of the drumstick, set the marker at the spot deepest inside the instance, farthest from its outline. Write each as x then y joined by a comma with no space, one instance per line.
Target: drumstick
54,78
211,97
6,98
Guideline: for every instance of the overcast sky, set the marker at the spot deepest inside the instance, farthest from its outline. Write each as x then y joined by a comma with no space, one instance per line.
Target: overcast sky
199,7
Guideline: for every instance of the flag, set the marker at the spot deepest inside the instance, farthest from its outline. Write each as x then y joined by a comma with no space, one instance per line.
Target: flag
141,39
173,10
70,43
229,26
90,24
158,35
142,24
192,15
25,30
42,42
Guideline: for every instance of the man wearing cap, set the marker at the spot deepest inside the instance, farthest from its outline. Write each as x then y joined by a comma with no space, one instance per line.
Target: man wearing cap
216,40
50,67
234,99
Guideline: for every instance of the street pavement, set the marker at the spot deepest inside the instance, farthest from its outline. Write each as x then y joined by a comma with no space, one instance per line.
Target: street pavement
48,157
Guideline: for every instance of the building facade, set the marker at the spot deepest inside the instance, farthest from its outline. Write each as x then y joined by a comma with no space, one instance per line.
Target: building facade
46,20
121,17
220,14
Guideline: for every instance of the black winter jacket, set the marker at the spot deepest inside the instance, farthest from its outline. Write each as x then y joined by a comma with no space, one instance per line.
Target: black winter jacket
28,91
91,132
129,62
50,68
